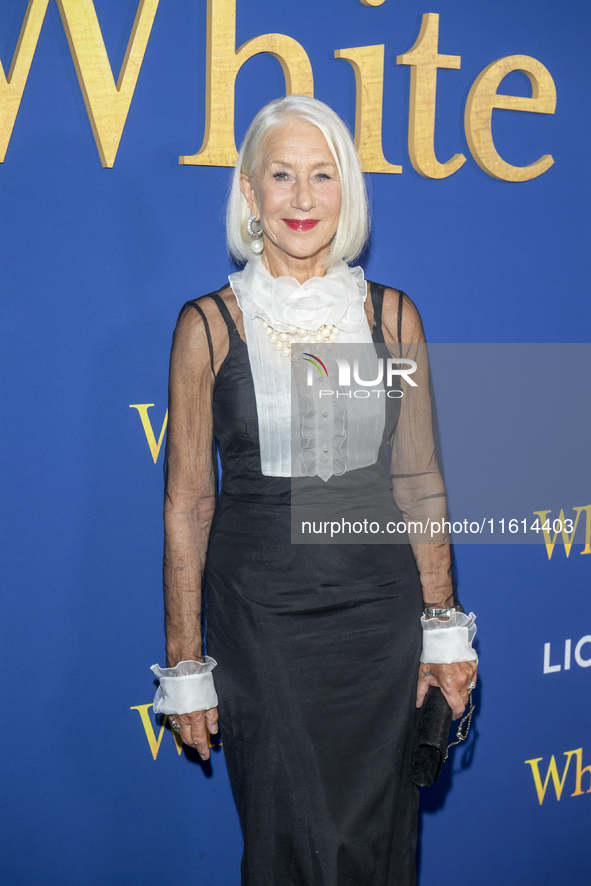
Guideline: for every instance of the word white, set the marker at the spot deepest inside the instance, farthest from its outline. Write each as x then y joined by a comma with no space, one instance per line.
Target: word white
582,662
108,98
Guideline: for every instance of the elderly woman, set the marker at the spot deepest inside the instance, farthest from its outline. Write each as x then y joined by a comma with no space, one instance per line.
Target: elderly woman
317,646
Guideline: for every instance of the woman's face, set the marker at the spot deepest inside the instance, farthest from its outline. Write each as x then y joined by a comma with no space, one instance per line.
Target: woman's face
296,193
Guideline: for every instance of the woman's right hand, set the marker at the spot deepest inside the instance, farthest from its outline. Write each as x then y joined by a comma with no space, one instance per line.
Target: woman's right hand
194,728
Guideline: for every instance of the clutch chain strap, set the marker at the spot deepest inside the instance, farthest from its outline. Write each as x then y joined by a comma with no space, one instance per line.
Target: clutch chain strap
461,732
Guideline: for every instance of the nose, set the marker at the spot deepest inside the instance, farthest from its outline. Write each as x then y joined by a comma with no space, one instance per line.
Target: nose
303,198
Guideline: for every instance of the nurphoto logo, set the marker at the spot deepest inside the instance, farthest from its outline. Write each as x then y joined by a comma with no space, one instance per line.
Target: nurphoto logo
388,369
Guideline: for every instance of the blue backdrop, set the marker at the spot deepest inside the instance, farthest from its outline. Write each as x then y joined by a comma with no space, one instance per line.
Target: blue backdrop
95,265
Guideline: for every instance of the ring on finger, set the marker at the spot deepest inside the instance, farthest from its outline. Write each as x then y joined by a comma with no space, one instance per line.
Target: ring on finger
470,687
175,725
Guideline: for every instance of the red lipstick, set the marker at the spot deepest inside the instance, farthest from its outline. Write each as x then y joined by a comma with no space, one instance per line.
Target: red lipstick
301,224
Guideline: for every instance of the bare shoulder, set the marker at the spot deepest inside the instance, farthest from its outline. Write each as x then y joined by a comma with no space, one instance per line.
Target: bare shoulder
401,320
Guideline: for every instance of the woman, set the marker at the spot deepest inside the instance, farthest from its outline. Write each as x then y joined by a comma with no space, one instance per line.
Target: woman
317,646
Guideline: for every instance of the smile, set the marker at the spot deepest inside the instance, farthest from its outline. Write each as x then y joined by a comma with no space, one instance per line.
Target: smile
301,224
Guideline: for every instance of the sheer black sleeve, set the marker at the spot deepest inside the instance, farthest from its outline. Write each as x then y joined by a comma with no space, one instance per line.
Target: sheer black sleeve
417,482
199,345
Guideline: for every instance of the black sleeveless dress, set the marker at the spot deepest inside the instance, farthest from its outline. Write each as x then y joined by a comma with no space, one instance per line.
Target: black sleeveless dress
318,651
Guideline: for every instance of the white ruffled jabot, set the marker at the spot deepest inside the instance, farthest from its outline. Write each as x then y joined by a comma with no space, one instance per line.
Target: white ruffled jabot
333,300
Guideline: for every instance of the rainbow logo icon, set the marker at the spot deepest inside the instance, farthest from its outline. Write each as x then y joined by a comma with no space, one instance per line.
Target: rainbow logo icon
317,362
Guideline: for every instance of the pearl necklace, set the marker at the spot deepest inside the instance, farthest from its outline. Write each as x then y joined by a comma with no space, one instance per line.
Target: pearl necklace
326,335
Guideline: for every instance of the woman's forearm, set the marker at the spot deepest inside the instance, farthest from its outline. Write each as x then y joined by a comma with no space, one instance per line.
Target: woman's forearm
422,501
434,565
185,546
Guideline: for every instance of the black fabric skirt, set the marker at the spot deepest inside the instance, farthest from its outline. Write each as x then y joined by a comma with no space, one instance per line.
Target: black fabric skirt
318,651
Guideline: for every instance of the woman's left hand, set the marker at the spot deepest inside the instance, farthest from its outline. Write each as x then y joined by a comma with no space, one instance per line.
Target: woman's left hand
452,679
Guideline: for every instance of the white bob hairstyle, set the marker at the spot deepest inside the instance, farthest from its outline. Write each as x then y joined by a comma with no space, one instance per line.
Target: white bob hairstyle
353,228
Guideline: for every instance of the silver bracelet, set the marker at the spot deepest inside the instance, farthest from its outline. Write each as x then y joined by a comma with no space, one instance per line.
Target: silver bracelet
440,613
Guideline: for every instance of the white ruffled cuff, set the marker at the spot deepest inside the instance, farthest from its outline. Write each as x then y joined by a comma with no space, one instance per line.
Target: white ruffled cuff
448,641
185,688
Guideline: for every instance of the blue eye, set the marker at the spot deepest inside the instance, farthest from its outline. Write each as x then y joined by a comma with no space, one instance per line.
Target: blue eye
280,176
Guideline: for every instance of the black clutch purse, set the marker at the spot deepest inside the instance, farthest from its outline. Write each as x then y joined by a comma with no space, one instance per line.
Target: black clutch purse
431,748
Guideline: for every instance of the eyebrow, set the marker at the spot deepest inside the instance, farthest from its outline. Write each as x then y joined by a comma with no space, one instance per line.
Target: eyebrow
314,166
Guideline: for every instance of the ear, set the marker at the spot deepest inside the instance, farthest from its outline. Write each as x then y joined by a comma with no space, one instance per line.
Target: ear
249,194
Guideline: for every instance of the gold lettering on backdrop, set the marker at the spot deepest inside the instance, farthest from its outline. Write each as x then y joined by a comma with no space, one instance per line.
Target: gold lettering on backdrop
368,64
142,408
13,86
424,60
107,104
223,63
552,771
580,772
483,99
149,730
547,525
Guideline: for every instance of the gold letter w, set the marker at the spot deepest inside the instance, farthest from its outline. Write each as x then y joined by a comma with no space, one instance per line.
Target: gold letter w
107,104
552,771
142,408
149,730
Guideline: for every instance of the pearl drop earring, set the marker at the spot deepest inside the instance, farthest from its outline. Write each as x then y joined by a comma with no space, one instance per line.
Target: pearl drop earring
257,243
